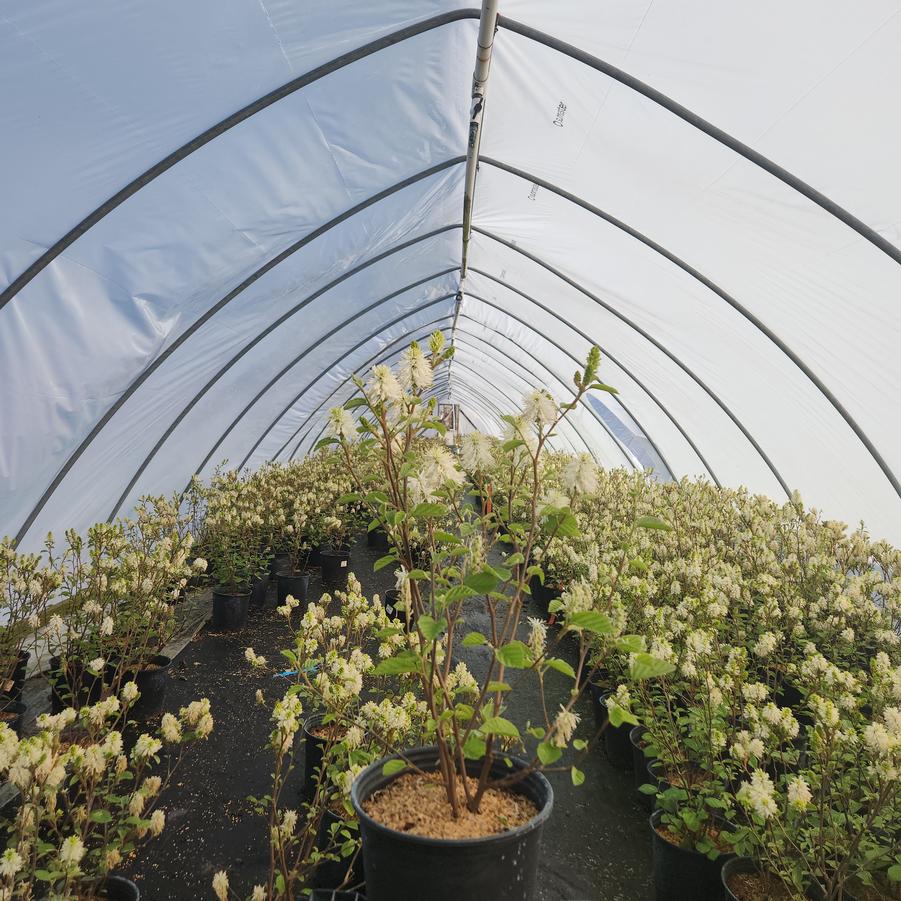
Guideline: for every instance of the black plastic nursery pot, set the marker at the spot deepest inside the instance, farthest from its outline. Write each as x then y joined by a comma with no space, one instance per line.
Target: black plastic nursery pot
330,874
118,888
73,686
617,746
543,594
258,588
404,867
313,751
735,866
297,584
13,694
325,894
152,683
598,693
640,766
683,874
392,596
377,539
279,562
12,714
229,609
335,566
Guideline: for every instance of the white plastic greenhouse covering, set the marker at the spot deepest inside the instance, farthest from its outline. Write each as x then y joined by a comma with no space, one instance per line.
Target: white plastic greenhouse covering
213,212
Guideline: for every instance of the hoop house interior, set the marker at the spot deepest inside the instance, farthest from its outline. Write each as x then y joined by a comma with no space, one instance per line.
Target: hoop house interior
214,214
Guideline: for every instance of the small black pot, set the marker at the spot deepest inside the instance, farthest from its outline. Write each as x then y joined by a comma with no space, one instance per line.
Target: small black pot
315,558
313,752
640,767
118,888
258,588
377,539
598,693
293,583
15,710
17,677
392,596
502,867
736,865
229,609
543,594
683,874
331,873
152,684
76,687
616,741
281,560
335,567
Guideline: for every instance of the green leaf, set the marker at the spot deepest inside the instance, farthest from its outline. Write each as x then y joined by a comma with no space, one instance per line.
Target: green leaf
101,816
580,744
355,402
577,776
653,522
418,575
894,872
474,748
463,712
497,725
393,766
600,386
322,442
514,654
430,627
481,582
548,753
618,716
630,644
474,639
561,666
428,511
590,621
498,686
351,498
644,666
458,593
382,562
404,662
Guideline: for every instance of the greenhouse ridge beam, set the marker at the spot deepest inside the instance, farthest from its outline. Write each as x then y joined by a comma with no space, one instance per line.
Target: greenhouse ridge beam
724,295
327,68
208,314
653,341
663,408
693,119
247,347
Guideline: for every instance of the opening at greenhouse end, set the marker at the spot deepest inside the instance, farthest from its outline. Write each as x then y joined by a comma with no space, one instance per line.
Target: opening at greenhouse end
449,450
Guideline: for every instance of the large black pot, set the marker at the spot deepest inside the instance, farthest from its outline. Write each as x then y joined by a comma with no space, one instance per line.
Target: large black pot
229,609
13,713
293,583
335,566
118,888
543,594
333,873
683,874
733,866
597,693
616,741
404,867
152,684
14,693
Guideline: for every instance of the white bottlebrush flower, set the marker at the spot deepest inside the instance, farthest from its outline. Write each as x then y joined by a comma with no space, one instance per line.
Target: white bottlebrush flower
130,692
170,728
253,658
220,885
383,385
96,665
539,407
476,452
199,565
341,423
146,746
766,644
581,475
757,795
71,851
564,727
10,863
259,893
157,822
414,370
537,636
799,795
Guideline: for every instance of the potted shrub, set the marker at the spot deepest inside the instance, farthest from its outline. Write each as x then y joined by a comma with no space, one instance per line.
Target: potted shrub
442,788
86,804
233,544
335,554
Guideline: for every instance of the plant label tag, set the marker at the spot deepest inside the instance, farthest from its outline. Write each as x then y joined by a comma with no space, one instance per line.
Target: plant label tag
343,564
